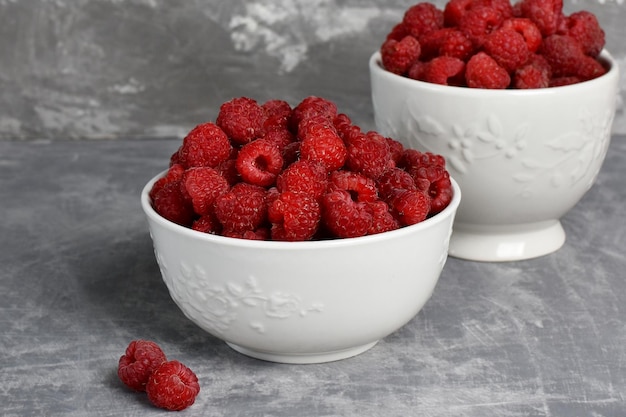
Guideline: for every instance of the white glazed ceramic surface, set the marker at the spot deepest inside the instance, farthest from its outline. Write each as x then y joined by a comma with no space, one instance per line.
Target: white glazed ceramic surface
522,158
301,302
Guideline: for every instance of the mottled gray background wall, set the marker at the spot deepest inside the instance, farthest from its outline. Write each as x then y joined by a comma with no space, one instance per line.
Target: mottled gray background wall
106,69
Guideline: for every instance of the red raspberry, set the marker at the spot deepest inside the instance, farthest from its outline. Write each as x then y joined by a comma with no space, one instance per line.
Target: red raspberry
261,233
382,219
563,54
563,81
409,206
398,56
344,217
303,177
310,107
360,187
422,18
584,27
321,143
242,119
279,136
398,32
396,149
590,68
526,28
454,11
170,203
478,22
206,145
259,162
546,14
412,159
369,154
277,114
295,216
447,42
482,71
174,174
535,74
207,224
507,47
142,357
443,70
202,186
228,170
393,179
291,153
242,208
172,386
440,192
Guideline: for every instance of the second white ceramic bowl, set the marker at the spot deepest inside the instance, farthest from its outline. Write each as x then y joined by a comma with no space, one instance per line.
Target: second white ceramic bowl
523,158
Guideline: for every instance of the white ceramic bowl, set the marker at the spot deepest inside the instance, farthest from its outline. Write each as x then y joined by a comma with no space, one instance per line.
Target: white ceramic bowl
522,158
301,302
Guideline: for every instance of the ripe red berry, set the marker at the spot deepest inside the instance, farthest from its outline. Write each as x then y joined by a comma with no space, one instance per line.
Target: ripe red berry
447,41
294,216
482,71
172,386
422,18
546,14
478,22
360,187
343,216
170,203
369,154
141,358
398,56
526,28
312,106
409,206
563,53
242,119
382,219
443,70
277,114
507,47
321,143
242,208
259,162
202,186
303,177
174,174
206,145
395,178
584,27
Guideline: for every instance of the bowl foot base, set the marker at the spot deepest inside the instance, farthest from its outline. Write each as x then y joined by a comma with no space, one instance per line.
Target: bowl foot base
506,243
303,358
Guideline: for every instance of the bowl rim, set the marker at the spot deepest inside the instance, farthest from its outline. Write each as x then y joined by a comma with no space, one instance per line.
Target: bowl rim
152,215
377,70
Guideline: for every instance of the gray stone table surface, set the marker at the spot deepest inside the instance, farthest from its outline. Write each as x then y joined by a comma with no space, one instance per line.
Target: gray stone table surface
78,282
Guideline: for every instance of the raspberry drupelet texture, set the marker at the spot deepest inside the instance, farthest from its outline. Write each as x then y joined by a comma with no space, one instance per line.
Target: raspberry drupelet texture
201,186
482,71
139,361
242,208
345,217
409,206
443,70
508,48
321,143
369,154
398,56
295,216
303,177
422,18
172,386
170,203
206,145
309,107
546,14
242,119
259,162
583,26
360,187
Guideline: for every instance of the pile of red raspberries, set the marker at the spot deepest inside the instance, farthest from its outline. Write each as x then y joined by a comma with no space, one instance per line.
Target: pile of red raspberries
272,172
495,44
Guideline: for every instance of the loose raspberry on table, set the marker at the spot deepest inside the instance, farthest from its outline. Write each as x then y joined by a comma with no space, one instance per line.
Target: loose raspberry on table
398,56
202,186
172,386
369,154
259,162
170,203
205,145
584,27
242,119
242,208
141,358
482,71
343,216
422,18
295,216
303,177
